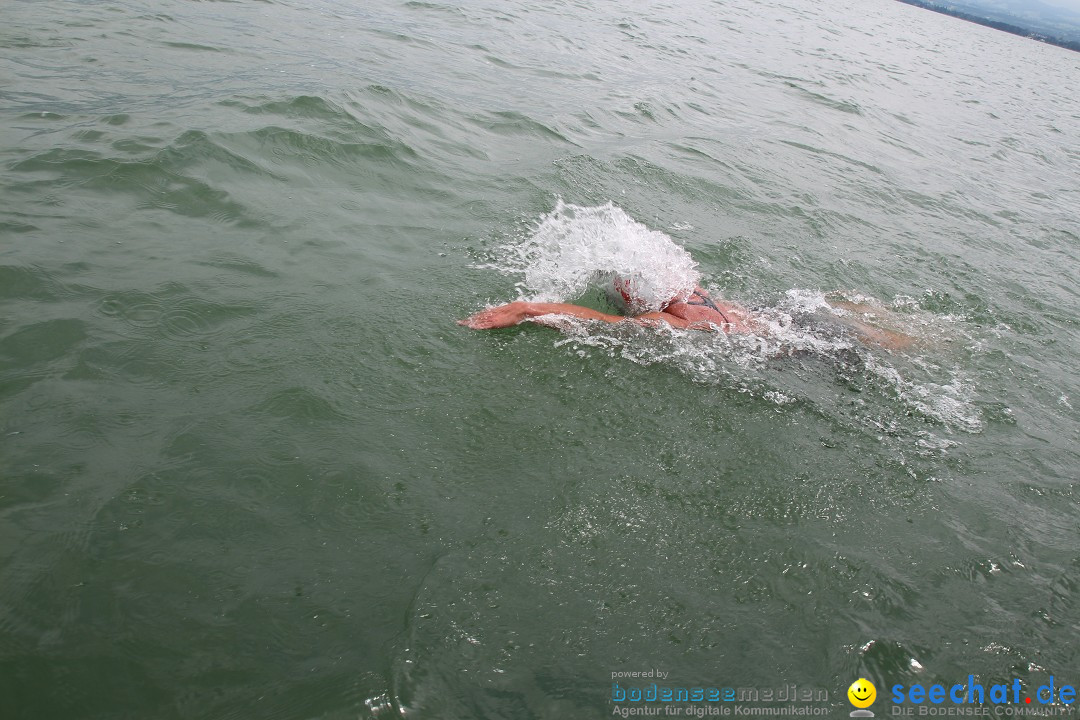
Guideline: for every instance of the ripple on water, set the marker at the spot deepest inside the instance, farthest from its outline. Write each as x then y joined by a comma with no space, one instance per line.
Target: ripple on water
37,350
19,282
187,319
299,403
171,313
170,336
132,361
74,423
282,450
135,308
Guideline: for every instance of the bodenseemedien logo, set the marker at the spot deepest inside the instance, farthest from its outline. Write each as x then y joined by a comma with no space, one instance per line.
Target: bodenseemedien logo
862,694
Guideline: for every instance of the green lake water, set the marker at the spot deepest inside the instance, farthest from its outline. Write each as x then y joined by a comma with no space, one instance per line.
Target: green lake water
251,467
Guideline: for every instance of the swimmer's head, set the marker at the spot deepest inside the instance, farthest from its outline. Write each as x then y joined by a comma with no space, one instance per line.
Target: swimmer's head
621,292
633,296
625,292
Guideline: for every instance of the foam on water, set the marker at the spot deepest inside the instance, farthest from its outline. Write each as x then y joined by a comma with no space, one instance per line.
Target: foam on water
576,250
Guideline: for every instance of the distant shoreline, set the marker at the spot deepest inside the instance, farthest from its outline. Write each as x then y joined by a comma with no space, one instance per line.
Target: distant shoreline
997,25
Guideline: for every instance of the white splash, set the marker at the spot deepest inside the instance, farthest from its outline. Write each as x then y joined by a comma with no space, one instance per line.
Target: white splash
574,249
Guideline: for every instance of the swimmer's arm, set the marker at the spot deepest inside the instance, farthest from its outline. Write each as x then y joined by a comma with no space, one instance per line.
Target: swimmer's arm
517,312
652,319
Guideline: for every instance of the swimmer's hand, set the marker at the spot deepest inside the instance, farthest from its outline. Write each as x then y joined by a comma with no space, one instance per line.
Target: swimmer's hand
497,317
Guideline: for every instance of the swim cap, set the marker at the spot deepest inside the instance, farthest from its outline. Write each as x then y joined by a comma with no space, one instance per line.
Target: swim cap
634,296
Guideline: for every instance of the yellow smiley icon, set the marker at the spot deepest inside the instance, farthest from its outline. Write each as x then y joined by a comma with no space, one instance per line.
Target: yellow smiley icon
862,693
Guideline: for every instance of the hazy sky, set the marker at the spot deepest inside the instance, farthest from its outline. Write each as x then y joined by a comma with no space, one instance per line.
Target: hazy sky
1071,4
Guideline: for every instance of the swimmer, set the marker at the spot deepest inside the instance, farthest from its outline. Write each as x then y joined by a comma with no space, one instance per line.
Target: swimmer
695,311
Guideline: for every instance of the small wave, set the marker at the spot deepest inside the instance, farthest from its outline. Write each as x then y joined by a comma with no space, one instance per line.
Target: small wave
155,178
302,107
194,46
822,99
40,342
516,124
438,7
298,402
29,281
301,148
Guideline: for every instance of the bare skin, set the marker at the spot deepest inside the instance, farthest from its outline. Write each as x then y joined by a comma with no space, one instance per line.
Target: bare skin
726,317
867,332
731,318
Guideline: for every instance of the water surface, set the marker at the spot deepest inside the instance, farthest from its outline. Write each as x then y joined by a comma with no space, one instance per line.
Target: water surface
252,468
